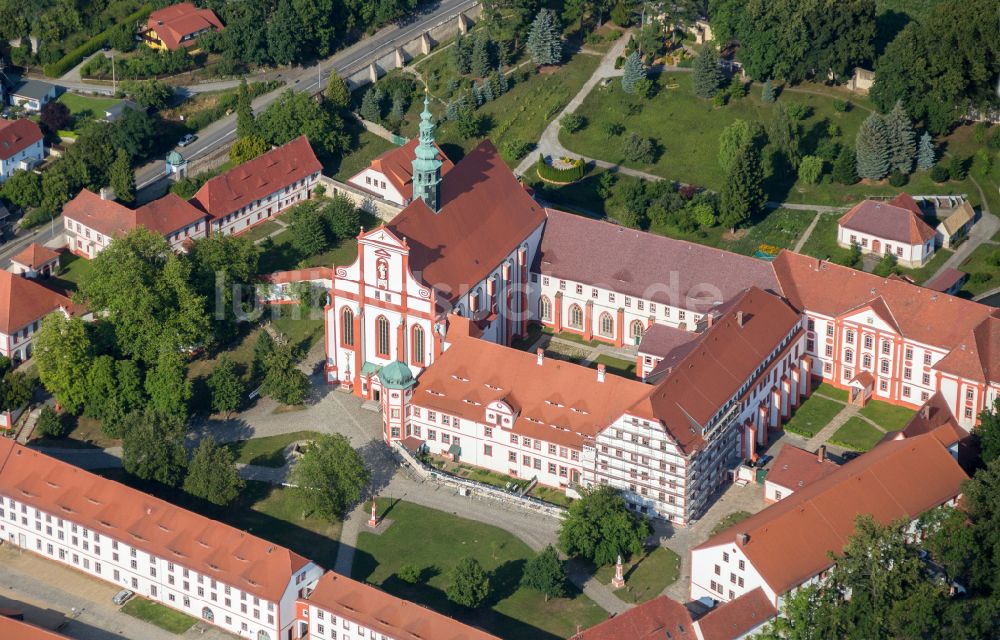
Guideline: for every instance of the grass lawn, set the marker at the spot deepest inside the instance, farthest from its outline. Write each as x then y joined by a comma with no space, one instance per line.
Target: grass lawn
728,521
416,537
303,328
261,230
856,434
267,451
72,269
86,106
616,366
814,414
888,416
160,615
981,261
344,254
831,391
572,337
646,576
84,433
485,476
924,273
240,353
822,242
366,147
780,228
550,495
962,143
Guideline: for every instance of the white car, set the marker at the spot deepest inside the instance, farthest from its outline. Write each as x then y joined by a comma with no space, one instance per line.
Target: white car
122,597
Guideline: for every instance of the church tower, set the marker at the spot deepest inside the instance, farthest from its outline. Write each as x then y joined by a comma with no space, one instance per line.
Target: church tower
427,165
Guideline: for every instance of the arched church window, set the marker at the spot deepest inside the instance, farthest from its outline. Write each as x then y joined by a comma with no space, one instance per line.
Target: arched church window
576,317
418,345
263,635
637,329
382,336
607,325
207,614
347,327
544,309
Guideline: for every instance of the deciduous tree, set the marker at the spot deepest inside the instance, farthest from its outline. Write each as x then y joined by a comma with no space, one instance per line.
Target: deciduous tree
469,583
600,526
247,148
283,380
743,194
49,424
988,433
55,116
212,474
246,123
545,572
307,230
329,477
122,178
734,137
337,91
63,355
153,447
226,386
168,386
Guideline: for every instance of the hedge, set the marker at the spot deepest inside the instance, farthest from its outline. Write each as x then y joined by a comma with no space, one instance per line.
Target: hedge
90,47
563,176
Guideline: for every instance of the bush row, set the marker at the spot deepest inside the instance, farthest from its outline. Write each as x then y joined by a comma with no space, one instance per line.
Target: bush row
73,58
553,174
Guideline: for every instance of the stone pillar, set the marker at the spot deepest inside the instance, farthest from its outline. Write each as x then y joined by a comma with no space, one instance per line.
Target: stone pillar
373,521
775,408
463,24
359,341
400,58
557,312
619,580
401,341
425,43
522,261
373,73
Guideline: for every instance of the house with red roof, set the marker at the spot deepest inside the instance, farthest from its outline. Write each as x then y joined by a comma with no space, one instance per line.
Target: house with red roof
21,146
92,221
896,227
390,176
12,628
794,469
661,618
259,189
23,304
35,261
179,25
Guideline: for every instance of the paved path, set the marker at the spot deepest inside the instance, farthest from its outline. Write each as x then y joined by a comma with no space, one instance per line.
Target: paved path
848,412
796,206
808,232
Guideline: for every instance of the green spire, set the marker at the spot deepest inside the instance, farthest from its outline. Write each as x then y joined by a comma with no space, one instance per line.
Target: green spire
426,164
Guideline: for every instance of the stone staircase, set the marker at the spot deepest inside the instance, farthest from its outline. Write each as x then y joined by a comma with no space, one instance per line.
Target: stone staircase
28,425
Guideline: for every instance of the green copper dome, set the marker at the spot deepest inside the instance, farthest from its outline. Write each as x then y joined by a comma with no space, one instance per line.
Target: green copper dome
174,158
396,375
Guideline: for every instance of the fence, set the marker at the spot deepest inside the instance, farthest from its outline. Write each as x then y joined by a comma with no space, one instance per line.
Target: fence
478,489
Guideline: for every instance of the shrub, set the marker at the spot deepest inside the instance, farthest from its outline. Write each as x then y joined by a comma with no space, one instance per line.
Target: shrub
939,173
979,132
49,423
636,148
71,59
898,179
516,149
720,99
612,129
958,167
554,174
994,142
843,106
409,573
572,122
810,169
799,112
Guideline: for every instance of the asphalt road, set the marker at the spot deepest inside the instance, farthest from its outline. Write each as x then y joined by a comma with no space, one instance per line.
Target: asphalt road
312,79
41,235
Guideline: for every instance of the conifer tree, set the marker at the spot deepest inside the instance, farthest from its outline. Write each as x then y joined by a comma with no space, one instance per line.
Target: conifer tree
767,93
634,72
925,156
743,192
845,167
461,57
370,109
544,41
397,112
122,178
707,76
872,148
481,58
902,140
504,81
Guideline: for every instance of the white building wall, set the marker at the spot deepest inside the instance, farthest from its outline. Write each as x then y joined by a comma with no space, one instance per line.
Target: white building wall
376,182
25,159
907,254
268,206
723,573
323,625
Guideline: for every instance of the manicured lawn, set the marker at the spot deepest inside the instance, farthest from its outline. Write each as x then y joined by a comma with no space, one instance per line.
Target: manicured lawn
160,615
267,451
550,495
344,254
302,328
827,389
856,434
646,576
814,414
962,143
822,242
72,269
616,366
483,475
572,337
728,521
86,106
365,148
261,230
434,541
780,228
888,416
981,261
278,254
924,273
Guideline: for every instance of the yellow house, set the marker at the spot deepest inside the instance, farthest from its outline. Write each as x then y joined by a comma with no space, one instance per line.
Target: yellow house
178,26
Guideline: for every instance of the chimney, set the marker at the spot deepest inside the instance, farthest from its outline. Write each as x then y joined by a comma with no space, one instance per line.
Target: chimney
541,356
600,372
739,318
742,539
710,319
821,453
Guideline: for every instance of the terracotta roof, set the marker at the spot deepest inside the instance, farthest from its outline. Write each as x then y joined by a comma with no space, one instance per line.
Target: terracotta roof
164,216
661,340
17,630
299,275
945,280
734,619
906,201
16,136
896,221
22,301
935,417
963,215
789,540
485,215
977,356
257,178
797,468
397,166
556,401
172,23
646,265
35,255
151,525
659,619
922,315
386,614
722,360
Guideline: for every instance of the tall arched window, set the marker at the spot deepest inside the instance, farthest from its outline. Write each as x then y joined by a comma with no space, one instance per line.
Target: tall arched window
382,336
607,325
576,317
207,614
347,327
418,345
545,309
636,330
263,635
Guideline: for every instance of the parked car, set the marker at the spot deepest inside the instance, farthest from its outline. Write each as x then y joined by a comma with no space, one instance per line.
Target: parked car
187,139
122,597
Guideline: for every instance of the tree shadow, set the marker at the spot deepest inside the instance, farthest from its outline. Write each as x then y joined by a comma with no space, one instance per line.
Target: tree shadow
454,152
779,184
887,27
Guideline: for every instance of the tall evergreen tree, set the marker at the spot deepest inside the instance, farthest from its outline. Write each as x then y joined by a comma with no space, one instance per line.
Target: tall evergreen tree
707,76
461,55
482,60
925,155
398,110
122,177
872,148
767,93
902,139
633,72
246,125
544,41
370,108
742,194
845,166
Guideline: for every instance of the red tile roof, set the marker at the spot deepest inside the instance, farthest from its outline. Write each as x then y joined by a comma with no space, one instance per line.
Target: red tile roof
977,356
164,216
16,136
722,360
789,540
151,525
35,255
257,178
935,417
736,618
646,265
485,215
659,619
299,275
17,630
557,401
922,315
397,166
796,468
663,341
897,221
386,614
22,301
945,280
172,23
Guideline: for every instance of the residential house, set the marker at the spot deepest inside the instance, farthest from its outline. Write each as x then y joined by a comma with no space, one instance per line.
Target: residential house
23,304
795,469
178,26
21,146
955,228
896,227
32,95
35,261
